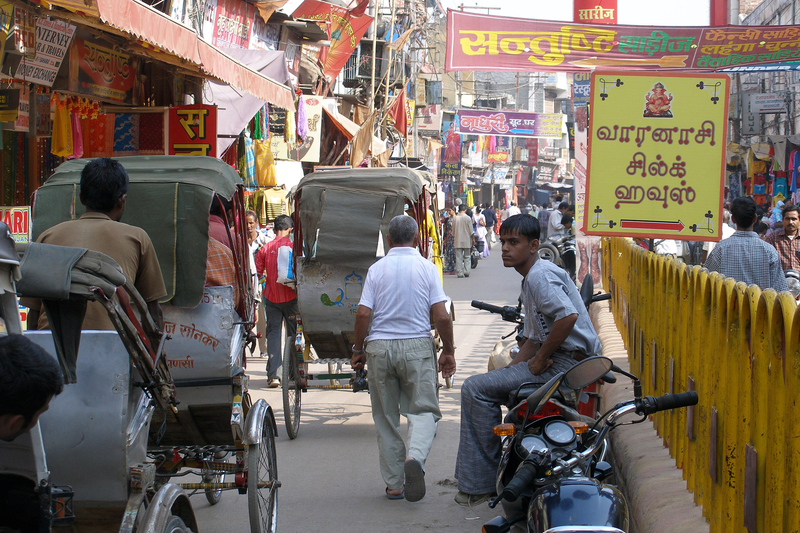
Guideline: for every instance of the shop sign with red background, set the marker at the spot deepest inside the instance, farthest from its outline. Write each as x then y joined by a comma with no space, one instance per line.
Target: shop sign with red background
533,152
596,11
233,24
102,72
193,130
486,42
344,31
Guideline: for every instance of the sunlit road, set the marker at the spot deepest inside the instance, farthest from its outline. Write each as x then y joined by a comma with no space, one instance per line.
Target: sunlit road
330,474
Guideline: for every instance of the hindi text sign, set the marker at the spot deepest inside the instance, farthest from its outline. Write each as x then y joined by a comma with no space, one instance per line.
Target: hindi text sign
102,72
193,130
656,155
509,123
595,11
487,42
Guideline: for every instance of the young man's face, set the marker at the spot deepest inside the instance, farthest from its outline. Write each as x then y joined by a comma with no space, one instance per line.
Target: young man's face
517,250
12,426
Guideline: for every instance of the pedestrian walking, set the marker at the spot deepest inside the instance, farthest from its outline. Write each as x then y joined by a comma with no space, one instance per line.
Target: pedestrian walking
449,250
491,220
400,293
280,301
256,239
463,235
785,240
480,231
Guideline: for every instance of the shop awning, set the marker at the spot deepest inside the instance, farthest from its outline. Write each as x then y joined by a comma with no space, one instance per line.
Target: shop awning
157,29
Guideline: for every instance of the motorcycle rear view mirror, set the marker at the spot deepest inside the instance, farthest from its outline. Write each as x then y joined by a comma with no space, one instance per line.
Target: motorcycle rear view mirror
587,372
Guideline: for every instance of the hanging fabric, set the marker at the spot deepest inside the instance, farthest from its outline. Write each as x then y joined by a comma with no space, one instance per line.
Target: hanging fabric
289,134
257,126
62,128
77,137
249,161
265,163
302,119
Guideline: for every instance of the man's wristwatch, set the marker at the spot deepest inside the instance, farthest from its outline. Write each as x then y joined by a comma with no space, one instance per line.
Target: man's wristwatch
357,352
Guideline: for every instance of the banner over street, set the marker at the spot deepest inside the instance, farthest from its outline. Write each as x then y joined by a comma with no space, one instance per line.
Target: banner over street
656,155
492,43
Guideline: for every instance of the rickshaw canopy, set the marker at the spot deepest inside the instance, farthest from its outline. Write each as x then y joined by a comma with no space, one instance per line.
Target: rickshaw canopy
344,213
169,197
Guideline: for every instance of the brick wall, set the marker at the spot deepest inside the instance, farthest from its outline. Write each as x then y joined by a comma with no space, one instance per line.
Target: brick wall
747,6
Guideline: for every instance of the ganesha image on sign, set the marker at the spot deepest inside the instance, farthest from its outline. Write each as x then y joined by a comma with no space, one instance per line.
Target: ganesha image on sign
657,102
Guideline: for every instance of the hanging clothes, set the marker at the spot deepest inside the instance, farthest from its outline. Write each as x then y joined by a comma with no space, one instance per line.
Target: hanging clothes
77,137
62,128
289,134
302,119
249,161
265,164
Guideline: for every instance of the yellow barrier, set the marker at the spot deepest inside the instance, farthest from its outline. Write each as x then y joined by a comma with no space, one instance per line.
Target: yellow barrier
739,348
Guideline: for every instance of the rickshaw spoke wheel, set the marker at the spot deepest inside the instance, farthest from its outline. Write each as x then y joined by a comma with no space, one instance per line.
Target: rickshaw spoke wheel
214,495
291,392
262,468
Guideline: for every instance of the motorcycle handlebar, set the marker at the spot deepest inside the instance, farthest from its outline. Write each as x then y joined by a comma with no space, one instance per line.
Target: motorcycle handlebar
649,404
601,297
522,479
487,307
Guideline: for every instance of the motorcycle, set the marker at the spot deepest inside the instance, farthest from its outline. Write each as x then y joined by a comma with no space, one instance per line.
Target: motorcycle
552,473
793,282
559,249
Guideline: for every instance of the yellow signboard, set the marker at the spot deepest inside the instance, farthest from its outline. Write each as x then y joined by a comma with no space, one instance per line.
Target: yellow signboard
656,155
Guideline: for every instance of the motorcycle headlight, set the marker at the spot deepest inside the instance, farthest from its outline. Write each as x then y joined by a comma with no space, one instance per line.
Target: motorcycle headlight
794,285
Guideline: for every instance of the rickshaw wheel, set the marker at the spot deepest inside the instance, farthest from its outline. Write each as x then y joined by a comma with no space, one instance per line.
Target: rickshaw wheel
176,525
262,467
213,495
291,392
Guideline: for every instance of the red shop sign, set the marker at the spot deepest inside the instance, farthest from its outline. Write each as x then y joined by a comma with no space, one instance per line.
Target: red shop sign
596,11
102,72
193,130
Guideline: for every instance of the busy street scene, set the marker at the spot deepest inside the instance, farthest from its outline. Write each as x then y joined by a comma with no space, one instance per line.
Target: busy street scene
399,265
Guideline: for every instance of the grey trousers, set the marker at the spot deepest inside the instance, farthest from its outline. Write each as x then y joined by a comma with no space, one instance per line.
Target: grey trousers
402,381
482,395
276,314
463,261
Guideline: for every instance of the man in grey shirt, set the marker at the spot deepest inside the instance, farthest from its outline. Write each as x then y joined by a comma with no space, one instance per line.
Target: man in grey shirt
744,256
558,332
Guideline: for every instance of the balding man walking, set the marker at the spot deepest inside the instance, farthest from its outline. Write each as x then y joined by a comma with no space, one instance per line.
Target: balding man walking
400,292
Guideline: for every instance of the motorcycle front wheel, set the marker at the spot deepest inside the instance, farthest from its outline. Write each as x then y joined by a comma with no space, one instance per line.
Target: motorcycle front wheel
548,252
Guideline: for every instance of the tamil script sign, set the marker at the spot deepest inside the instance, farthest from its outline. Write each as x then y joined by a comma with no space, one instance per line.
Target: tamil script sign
656,155
486,42
509,123
193,130
52,40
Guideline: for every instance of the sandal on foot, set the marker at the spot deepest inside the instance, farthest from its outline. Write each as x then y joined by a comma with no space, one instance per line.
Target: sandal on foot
415,480
395,496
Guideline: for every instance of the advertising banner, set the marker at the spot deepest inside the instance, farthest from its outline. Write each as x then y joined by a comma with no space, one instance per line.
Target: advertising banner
6,25
308,150
102,72
24,110
18,220
344,31
581,85
533,152
595,11
232,24
192,130
486,42
52,40
767,103
509,123
429,118
657,155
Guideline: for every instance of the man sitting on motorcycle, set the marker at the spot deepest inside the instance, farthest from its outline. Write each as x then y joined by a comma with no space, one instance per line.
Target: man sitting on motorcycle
558,332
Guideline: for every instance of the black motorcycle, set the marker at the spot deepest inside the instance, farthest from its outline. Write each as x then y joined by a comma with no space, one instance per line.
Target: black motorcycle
560,250
552,474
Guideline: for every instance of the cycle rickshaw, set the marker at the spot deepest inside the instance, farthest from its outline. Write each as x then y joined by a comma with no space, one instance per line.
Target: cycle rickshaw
151,415
341,220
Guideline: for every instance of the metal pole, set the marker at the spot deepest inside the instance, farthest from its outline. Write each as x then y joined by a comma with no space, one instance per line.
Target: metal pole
375,8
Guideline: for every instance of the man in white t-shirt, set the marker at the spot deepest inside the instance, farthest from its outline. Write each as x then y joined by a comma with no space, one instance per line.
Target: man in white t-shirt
400,292
513,210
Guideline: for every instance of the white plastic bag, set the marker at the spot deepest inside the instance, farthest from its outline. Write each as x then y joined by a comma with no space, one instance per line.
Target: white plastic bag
285,271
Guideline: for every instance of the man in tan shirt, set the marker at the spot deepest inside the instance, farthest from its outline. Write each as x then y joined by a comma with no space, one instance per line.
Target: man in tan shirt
104,188
462,241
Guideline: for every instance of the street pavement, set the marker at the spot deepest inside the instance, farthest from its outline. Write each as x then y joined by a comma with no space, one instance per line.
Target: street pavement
330,475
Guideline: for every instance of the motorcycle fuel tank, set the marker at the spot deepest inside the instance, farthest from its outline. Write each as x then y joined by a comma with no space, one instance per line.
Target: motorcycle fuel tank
577,502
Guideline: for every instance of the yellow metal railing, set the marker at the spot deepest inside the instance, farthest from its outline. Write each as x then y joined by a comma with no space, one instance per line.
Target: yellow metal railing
739,348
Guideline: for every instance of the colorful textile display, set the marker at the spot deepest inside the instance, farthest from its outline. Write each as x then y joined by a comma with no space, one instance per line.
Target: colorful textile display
98,136
126,134
249,161
77,137
62,128
151,134
302,119
289,134
265,164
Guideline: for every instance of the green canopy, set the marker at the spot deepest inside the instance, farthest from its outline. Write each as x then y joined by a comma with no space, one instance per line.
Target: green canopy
345,213
169,197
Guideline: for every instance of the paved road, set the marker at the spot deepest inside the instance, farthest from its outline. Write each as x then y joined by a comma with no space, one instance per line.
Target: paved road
330,475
